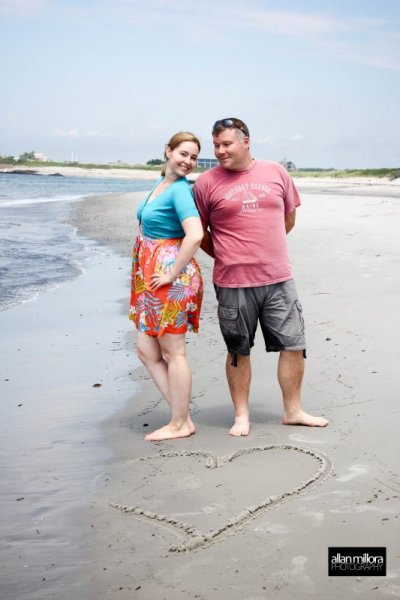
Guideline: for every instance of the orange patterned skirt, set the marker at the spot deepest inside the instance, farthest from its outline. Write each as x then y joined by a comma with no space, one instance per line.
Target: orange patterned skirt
173,308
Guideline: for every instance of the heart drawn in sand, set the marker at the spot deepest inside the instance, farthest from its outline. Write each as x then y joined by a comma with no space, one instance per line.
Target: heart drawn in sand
167,488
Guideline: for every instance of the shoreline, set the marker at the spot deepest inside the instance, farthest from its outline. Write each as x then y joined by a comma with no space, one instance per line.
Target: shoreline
112,173
303,183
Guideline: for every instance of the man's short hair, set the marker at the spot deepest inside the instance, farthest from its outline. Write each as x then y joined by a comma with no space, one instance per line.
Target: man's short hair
230,123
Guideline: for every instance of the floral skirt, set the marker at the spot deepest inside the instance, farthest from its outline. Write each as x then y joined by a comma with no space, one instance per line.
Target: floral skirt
173,308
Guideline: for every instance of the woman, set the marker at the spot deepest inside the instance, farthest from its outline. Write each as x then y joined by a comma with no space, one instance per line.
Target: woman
167,286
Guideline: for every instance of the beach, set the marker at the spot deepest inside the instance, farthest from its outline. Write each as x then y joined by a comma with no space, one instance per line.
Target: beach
353,185
93,511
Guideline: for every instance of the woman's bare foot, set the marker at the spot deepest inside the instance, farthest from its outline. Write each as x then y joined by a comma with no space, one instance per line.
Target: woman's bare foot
240,427
171,432
303,418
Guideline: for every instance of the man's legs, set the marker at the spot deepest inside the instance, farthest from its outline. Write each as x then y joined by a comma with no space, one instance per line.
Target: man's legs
239,378
290,376
238,317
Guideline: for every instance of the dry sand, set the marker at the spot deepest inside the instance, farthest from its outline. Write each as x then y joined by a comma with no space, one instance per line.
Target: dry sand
217,517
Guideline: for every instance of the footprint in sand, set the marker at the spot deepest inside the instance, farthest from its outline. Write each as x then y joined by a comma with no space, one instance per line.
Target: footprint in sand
354,471
303,439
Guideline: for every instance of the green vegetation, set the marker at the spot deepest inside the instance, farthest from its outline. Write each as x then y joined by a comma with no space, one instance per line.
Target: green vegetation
154,164
27,156
10,160
389,173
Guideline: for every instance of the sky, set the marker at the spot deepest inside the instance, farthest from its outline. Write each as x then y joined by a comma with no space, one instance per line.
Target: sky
100,81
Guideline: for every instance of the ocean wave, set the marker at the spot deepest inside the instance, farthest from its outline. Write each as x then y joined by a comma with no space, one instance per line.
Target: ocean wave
41,200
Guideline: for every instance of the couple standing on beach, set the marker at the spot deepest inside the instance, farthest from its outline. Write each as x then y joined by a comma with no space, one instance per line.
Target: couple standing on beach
240,215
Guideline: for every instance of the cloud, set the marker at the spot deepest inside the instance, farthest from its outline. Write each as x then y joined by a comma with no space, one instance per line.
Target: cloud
269,141
196,22
380,53
370,41
96,134
290,23
264,140
75,134
68,133
22,8
207,16
373,42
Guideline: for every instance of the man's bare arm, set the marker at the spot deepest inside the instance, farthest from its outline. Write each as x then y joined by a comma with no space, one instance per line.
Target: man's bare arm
206,244
290,220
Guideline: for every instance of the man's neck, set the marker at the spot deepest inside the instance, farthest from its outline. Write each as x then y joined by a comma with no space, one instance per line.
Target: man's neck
245,166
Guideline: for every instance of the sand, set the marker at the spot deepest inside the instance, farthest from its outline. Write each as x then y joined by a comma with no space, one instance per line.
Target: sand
212,516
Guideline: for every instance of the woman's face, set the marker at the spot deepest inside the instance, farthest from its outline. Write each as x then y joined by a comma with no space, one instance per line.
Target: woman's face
182,160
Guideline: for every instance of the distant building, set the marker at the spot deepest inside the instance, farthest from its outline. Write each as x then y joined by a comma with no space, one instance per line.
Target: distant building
40,157
207,163
288,164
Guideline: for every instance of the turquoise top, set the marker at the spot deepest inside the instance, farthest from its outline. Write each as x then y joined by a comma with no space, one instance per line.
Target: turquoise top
163,215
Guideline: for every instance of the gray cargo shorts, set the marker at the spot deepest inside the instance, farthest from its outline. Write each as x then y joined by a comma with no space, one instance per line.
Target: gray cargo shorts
275,306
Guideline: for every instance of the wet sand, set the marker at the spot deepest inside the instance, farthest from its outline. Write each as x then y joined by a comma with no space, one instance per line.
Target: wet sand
212,516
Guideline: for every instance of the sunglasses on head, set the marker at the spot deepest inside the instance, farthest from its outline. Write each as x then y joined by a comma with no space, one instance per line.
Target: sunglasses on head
229,123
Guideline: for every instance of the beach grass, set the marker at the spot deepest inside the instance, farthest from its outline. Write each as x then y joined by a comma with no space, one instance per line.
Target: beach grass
36,163
389,173
345,173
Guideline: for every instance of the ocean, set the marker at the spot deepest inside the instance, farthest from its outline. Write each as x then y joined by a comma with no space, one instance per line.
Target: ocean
38,248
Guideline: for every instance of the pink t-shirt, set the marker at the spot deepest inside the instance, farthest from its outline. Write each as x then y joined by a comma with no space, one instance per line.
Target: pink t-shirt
245,211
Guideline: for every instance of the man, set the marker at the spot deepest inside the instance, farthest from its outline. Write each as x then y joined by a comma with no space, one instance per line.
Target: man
247,207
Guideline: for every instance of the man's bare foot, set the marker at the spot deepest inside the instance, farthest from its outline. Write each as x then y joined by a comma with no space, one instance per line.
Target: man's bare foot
302,418
192,428
171,432
240,427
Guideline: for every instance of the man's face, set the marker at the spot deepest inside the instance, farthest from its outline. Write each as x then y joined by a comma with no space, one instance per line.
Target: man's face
232,152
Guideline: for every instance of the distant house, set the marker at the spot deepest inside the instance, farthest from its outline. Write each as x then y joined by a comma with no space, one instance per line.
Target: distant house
288,164
40,157
207,163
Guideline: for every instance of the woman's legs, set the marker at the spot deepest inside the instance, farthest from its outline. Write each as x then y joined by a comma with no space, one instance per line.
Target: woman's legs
149,352
165,359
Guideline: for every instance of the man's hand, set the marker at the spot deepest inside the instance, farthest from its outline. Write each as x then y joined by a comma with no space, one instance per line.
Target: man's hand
207,244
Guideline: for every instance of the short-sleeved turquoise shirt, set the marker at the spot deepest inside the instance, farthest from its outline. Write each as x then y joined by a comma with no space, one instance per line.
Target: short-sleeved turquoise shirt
162,217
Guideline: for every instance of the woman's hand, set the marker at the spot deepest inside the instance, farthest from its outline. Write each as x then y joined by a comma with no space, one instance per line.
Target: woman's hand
190,243
160,279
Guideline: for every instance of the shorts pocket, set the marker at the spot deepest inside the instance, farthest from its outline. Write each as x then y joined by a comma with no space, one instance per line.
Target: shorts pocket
300,313
230,328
